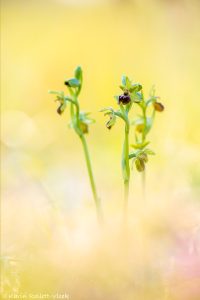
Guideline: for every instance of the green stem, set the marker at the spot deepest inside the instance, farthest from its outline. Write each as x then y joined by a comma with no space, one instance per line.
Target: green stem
143,140
87,156
145,124
126,169
92,182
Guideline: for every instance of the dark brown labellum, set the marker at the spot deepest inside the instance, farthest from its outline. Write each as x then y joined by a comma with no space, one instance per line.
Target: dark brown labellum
158,106
59,110
124,99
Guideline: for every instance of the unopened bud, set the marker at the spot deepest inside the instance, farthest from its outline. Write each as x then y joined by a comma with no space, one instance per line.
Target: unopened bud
140,127
158,106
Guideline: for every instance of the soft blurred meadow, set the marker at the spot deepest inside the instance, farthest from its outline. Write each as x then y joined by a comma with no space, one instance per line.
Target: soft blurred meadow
50,239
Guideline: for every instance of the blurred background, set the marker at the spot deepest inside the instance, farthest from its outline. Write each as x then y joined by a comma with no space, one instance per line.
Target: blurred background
51,242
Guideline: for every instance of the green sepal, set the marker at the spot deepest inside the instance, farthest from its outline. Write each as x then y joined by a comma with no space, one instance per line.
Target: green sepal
126,82
122,88
60,93
108,109
136,87
83,117
78,73
149,151
136,97
117,99
140,145
124,78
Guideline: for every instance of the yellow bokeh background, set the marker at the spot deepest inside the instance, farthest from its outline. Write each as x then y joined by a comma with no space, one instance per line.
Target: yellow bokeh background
50,237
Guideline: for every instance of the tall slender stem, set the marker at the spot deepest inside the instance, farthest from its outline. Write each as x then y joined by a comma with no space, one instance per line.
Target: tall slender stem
92,182
126,169
143,140
87,158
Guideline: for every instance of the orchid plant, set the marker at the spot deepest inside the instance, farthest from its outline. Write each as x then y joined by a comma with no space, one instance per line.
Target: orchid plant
80,122
132,94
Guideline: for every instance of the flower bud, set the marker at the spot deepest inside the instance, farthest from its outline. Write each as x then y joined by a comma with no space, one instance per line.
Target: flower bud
140,165
84,127
158,106
140,127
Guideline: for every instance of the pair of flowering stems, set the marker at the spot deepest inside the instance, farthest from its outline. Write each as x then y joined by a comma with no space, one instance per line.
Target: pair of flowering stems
80,122
132,94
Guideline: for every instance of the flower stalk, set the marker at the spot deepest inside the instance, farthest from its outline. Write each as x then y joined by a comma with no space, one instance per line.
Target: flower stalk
126,168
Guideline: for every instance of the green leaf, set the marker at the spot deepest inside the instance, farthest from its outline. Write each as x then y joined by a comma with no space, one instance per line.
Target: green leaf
72,82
